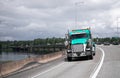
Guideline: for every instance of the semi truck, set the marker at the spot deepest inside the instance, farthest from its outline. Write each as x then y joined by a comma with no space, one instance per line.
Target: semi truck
79,43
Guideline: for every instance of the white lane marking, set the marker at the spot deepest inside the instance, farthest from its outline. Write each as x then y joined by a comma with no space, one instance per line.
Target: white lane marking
97,68
48,70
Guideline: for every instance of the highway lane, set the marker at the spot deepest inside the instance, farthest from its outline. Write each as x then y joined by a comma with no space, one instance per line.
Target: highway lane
111,64
63,69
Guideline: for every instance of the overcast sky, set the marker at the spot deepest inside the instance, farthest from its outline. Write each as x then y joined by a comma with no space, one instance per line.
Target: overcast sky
31,19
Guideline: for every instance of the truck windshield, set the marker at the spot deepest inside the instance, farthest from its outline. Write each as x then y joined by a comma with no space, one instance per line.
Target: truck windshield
75,36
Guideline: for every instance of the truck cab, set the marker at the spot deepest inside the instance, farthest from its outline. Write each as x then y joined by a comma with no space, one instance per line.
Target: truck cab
80,44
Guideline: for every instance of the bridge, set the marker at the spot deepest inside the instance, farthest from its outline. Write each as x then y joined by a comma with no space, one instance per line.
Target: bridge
106,64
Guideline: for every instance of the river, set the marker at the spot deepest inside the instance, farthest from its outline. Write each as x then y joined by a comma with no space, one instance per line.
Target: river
13,56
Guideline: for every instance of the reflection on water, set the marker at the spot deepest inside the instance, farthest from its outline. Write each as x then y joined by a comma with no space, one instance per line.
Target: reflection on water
11,56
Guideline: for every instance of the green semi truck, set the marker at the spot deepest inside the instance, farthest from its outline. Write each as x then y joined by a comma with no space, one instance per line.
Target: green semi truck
79,43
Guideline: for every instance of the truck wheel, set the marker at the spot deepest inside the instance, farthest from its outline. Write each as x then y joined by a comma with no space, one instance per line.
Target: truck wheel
69,58
90,56
94,54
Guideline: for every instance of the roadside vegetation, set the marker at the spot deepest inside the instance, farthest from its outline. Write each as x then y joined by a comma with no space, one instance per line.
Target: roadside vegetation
5,45
112,40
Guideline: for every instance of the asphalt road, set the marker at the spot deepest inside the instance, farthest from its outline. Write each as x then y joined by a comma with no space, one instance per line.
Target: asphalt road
79,68
111,64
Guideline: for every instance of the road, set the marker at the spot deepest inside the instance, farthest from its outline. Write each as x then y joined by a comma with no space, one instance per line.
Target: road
111,65
79,68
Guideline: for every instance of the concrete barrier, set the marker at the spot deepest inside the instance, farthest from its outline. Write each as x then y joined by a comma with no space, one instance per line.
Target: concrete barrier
14,66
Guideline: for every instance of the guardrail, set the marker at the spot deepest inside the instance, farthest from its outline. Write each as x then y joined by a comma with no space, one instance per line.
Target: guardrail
39,48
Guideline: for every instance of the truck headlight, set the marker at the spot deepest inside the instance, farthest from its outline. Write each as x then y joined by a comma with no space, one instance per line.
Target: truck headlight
87,48
69,50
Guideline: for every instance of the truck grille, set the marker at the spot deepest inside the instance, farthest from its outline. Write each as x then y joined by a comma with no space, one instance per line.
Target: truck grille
77,48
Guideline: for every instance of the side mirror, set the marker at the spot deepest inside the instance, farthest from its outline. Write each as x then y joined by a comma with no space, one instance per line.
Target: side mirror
66,37
90,42
66,43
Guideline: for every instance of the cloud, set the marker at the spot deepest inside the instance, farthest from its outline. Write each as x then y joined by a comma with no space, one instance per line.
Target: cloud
29,19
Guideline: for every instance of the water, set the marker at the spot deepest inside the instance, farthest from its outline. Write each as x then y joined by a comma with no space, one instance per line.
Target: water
12,56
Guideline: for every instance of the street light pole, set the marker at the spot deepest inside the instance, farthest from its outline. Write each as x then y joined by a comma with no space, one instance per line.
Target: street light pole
118,26
76,11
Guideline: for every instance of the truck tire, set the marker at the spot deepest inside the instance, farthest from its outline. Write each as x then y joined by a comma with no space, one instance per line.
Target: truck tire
94,54
69,58
90,56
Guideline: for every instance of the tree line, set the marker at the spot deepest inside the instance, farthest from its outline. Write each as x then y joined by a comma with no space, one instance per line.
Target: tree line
50,41
107,39
35,42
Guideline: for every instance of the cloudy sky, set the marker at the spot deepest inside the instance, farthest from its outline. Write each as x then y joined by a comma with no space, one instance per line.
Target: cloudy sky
31,19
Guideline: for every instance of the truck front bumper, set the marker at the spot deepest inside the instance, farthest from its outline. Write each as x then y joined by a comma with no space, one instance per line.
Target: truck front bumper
78,54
